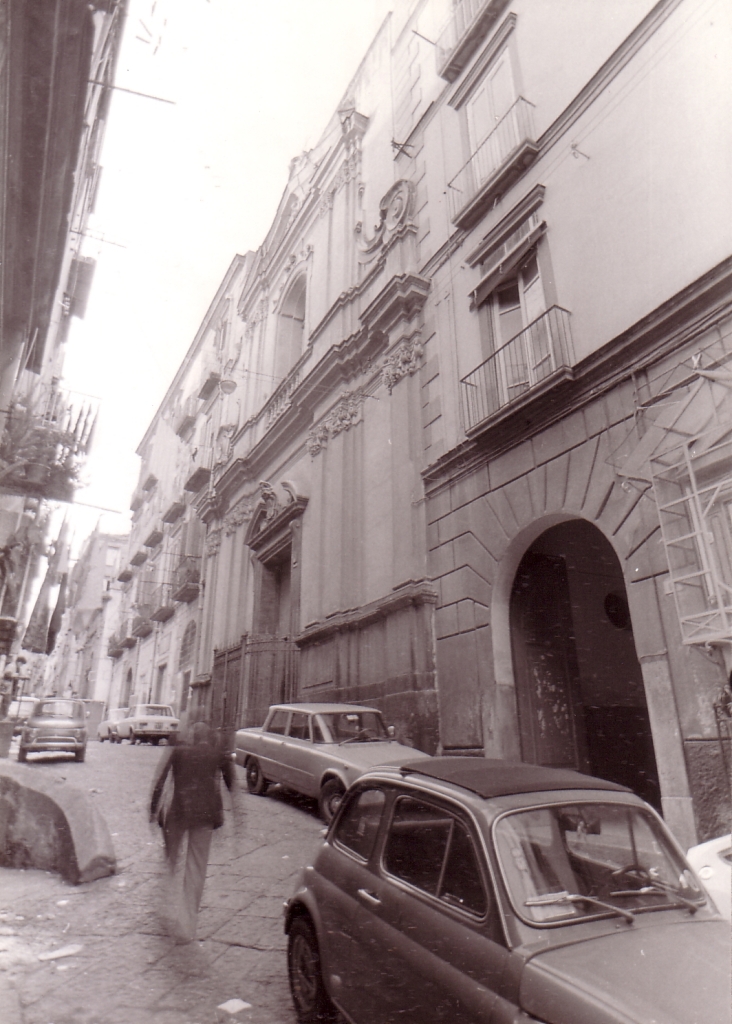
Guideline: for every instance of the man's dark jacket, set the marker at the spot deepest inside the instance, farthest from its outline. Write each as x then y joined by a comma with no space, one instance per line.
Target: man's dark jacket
196,788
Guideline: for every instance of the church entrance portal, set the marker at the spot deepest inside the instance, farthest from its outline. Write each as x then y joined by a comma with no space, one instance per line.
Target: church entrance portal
579,688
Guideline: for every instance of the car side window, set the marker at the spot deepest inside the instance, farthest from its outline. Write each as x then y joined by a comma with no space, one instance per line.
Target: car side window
359,822
299,726
429,848
278,722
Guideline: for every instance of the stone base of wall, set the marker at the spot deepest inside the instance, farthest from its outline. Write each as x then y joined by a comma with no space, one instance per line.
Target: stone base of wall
710,787
382,655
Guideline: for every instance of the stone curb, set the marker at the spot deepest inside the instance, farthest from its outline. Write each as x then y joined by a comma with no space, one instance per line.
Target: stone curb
52,826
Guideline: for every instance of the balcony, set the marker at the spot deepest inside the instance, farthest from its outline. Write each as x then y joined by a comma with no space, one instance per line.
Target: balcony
141,624
174,511
153,538
150,483
186,582
115,647
210,379
139,557
501,158
186,416
540,354
162,604
125,636
199,472
126,575
470,23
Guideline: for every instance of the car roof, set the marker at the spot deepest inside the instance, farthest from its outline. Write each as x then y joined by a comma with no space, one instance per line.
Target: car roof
490,777
320,709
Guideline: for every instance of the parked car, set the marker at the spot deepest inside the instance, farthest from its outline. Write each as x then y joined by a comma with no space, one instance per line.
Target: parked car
317,750
147,723
56,723
107,729
712,862
20,711
473,890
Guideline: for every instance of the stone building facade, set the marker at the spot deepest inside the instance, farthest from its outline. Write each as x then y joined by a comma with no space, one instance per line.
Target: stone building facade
471,462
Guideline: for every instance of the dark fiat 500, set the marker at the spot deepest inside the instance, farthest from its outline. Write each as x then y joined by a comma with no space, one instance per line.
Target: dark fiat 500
56,724
461,889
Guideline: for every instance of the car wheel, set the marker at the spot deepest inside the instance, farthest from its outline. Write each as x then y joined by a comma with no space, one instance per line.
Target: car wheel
306,980
330,799
22,754
256,782
133,738
80,755
155,740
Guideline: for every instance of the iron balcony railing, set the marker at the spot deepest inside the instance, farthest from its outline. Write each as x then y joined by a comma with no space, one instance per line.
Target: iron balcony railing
465,21
541,350
162,604
186,578
494,152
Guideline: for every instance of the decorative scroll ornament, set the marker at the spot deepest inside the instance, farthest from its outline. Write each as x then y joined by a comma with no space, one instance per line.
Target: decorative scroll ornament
270,500
240,513
405,359
395,209
213,541
346,414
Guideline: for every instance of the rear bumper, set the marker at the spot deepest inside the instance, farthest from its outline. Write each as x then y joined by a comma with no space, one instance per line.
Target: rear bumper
61,743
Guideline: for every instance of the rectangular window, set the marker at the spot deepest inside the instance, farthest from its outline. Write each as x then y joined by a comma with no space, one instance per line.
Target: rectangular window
278,722
358,824
299,726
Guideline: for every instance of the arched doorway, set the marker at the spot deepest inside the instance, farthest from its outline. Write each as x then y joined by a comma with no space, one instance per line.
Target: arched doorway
579,688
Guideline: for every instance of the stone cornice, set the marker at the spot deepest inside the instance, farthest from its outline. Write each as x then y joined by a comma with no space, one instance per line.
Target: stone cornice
414,593
402,297
669,327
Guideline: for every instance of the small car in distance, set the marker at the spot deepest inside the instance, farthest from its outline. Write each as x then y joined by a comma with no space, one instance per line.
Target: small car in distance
56,724
148,723
474,890
20,711
317,750
107,729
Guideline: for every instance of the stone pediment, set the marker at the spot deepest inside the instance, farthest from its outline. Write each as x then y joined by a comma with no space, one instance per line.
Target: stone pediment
271,516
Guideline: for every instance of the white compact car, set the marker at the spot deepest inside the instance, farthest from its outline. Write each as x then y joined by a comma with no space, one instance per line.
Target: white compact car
712,862
148,723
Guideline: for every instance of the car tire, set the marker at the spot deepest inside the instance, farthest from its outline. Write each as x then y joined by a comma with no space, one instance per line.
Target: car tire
304,972
22,755
155,740
256,782
133,739
80,755
330,798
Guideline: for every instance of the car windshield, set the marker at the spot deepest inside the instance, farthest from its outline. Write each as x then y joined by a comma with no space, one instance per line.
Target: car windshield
355,726
118,714
154,709
60,709
571,861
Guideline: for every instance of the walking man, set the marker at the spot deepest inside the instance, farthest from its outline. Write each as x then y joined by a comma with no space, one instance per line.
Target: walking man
195,810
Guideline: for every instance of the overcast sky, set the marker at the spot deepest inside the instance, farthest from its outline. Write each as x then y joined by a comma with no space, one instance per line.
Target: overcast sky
186,185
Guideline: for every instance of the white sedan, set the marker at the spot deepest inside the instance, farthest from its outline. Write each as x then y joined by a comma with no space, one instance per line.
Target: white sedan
107,730
148,723
318,750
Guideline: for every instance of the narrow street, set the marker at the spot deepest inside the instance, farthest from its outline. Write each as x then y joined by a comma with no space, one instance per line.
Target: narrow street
127,970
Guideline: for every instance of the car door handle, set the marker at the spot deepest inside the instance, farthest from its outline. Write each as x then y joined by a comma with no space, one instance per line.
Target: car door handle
369,897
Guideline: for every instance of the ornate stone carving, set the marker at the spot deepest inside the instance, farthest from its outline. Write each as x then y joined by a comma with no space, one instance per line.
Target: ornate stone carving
240,513
269,497
395,209
405,359
222,448
342,417
213,541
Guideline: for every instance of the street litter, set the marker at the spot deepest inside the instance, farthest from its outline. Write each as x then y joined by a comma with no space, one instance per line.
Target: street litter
58,954
61,903
234,1006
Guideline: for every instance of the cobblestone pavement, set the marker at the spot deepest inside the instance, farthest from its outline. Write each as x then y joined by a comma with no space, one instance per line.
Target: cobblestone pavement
127,970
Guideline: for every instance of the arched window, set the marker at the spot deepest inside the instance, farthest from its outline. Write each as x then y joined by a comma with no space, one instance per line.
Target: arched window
290,329
187,644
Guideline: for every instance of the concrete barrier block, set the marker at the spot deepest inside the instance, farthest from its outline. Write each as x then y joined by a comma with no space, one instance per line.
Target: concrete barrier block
52,827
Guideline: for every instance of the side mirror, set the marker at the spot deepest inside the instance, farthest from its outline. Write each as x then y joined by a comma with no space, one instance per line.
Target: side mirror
390,731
